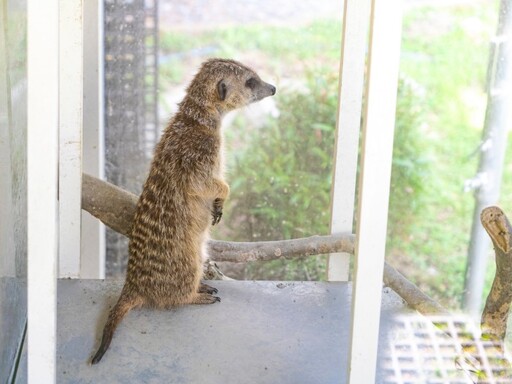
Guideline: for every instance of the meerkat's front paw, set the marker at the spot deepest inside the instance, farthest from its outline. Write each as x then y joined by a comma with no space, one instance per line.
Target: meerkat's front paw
217,211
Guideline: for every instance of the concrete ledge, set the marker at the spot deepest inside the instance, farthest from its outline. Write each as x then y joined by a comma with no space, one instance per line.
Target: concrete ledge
261,332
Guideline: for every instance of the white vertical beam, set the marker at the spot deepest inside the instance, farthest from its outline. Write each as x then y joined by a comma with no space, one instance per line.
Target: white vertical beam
70,132
353,52
374,183
93,231
42,154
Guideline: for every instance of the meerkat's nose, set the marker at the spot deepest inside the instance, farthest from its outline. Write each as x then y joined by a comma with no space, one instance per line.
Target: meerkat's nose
272,90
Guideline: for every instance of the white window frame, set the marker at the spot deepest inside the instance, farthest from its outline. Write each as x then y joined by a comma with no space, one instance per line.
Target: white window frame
71,76
42,179
93,248
351,80
374,187
81,144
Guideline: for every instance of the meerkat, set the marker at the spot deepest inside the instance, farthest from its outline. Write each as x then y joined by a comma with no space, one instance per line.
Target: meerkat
183,196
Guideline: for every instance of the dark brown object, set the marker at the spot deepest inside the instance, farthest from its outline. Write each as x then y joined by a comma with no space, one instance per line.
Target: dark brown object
182,196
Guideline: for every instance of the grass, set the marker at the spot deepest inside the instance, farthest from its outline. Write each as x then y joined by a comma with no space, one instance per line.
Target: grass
285,49
444,52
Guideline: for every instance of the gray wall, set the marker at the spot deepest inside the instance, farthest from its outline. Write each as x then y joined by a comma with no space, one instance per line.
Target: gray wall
13,181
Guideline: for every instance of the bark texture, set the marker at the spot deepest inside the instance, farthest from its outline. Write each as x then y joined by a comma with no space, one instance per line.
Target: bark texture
112,205
497,306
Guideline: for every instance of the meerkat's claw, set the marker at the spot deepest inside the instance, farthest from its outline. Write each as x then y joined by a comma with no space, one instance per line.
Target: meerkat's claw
205,288
216,211
205,298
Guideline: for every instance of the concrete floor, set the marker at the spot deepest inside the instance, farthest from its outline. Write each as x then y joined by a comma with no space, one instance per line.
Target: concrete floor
261,332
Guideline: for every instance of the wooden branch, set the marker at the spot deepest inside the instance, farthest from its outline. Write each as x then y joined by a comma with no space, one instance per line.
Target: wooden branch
497,306
408,291
112,205
115,207
240,252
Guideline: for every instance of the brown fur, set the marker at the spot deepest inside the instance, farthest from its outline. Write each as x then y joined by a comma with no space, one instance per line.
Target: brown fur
182,196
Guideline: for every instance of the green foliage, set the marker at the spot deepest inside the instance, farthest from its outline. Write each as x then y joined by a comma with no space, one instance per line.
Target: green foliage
286,42
445,50
281,181
284,48
410,169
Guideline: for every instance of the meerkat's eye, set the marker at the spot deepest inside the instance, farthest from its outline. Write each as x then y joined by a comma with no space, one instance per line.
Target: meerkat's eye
251,83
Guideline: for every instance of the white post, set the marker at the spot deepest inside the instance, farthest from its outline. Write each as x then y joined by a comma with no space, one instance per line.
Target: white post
352,64
374,183
70,142
93,231
42,155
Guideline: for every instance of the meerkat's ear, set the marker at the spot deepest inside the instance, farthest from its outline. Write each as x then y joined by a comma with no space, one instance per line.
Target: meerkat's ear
222,89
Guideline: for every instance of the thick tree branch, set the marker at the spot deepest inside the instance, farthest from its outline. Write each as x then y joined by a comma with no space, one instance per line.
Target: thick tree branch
116,207
112,205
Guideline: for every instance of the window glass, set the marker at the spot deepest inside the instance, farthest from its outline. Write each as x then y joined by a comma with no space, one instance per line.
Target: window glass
13,181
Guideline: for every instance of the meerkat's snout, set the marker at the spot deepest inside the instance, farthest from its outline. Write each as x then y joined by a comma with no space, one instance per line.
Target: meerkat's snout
271,89
261,89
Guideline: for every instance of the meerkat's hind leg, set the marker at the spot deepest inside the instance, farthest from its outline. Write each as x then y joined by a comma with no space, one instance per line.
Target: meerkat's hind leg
204,298
205,288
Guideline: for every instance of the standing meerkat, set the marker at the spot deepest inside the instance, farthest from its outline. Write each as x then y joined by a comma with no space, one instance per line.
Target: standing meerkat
183,196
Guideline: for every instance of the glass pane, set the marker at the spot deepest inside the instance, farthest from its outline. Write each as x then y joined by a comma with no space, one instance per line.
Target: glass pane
13,182
278,152
440,117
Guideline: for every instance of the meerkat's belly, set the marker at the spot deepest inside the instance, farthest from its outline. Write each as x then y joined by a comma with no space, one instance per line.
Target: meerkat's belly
167,252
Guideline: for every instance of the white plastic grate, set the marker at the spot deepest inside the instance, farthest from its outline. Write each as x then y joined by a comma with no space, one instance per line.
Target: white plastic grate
443,350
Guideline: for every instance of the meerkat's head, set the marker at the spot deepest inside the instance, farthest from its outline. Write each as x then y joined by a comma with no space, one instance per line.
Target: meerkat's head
228,84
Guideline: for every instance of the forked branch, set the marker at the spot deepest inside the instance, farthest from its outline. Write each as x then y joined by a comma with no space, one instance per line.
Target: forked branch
116,207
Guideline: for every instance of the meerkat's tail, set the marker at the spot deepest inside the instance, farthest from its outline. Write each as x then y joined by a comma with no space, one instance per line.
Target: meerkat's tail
122,307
